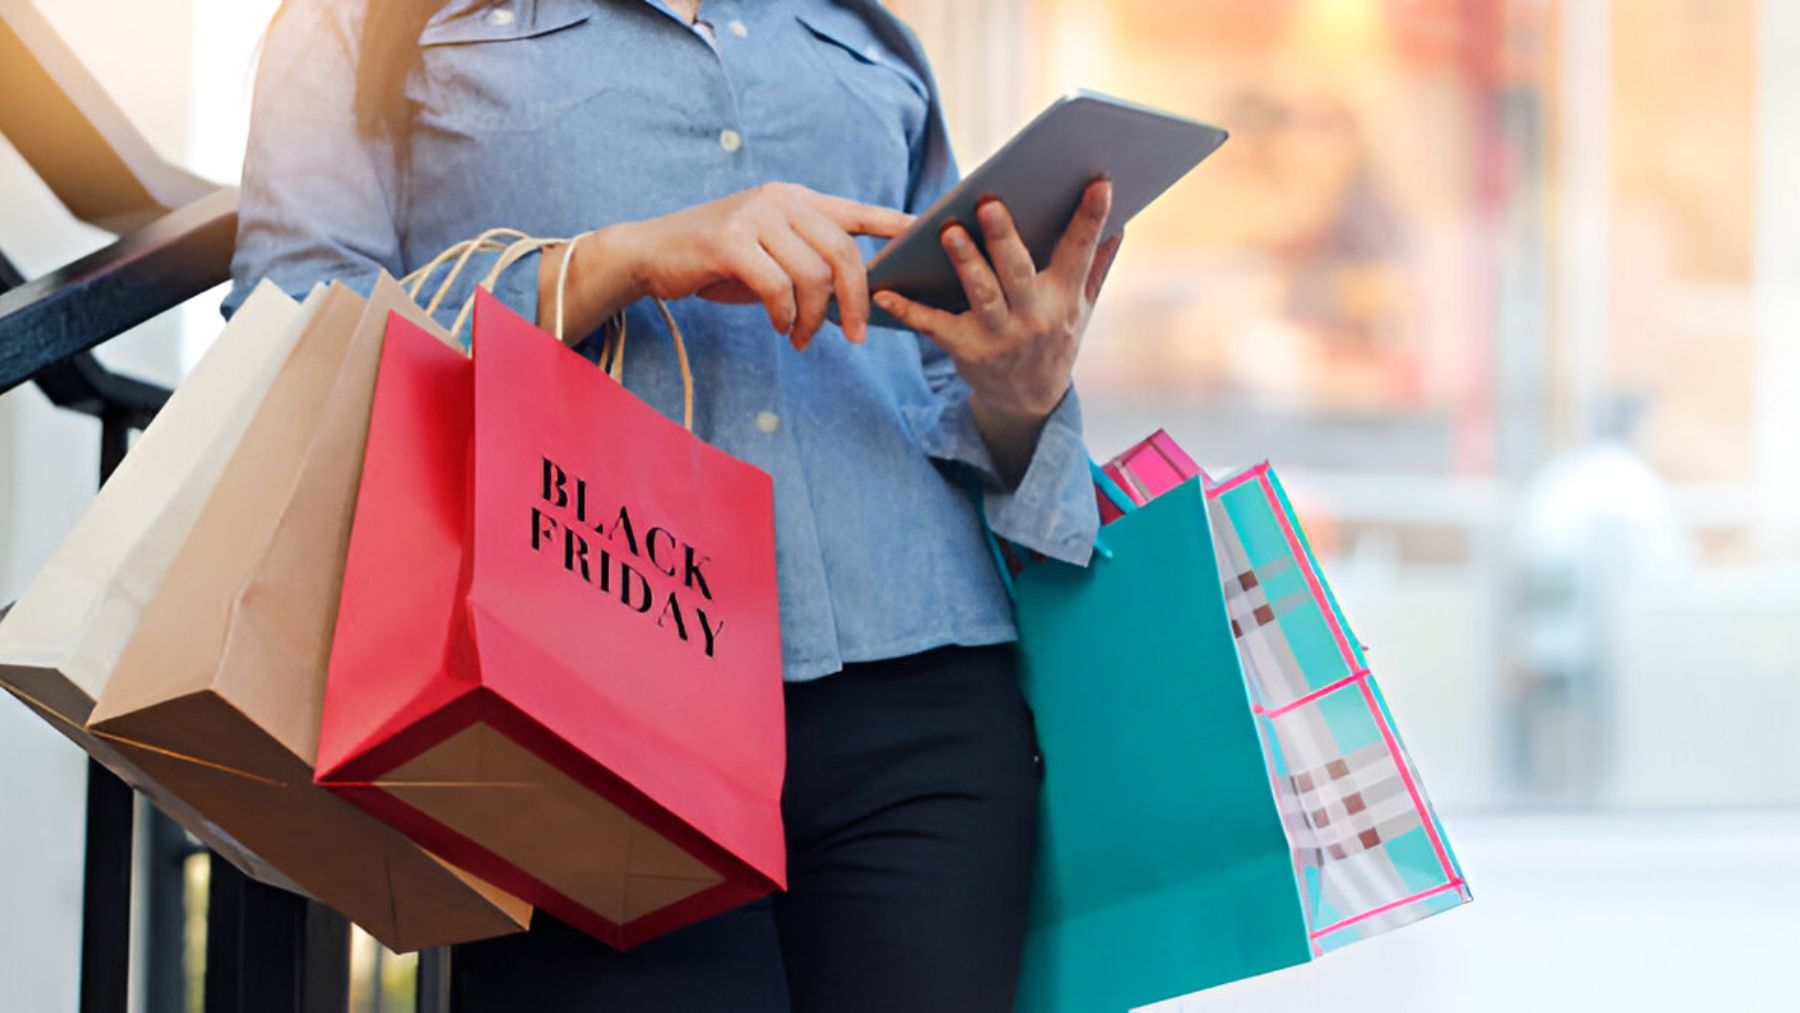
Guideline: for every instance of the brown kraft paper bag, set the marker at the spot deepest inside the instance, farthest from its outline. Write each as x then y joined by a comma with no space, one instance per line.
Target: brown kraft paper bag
218,695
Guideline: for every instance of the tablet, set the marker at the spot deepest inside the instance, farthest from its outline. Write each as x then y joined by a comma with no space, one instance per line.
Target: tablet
1041,174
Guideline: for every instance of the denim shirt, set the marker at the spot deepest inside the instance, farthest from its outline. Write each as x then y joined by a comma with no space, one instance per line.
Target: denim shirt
558,116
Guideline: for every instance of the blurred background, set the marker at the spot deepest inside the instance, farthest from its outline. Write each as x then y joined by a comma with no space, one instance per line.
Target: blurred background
1508,290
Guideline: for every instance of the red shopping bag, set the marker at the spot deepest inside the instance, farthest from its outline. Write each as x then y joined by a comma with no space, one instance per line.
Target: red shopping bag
557,659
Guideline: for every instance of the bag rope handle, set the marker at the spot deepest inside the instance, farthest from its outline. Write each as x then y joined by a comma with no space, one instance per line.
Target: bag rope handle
508,257
461,253
612,356
415,281
617,370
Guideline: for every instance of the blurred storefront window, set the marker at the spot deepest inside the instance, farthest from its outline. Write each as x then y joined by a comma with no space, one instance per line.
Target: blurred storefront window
1501,286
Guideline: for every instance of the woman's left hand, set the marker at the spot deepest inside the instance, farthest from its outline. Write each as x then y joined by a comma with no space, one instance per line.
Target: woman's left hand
1016,344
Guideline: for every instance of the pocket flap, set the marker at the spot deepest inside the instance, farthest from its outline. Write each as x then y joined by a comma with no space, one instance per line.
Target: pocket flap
472,21
846,30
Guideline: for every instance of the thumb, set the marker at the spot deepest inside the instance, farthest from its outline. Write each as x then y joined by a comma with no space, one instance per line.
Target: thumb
1103,262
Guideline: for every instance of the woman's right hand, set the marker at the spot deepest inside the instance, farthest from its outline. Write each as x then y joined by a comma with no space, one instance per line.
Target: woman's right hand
779,244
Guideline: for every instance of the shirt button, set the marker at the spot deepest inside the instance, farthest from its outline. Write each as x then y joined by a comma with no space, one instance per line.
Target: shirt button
500,16
730,139
737,28
768,422
873,52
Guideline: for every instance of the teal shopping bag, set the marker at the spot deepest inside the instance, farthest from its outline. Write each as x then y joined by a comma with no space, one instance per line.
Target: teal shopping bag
1163,867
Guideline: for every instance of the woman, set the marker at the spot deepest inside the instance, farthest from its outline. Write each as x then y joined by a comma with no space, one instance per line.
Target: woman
729,157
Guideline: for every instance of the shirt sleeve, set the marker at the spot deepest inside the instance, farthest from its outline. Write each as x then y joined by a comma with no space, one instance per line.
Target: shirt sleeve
320,197
1052,510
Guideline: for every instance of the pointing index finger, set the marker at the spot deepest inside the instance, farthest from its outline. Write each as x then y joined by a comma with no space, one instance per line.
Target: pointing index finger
862,219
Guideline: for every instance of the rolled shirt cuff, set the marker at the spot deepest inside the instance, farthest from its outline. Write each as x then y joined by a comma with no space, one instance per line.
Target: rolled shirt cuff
1052,510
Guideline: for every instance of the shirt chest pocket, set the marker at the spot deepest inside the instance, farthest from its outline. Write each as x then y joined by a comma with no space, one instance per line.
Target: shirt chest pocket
881,83
503,68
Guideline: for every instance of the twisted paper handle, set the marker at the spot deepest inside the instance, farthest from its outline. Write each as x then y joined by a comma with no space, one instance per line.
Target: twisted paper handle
509,256
612,357
616,366
461,253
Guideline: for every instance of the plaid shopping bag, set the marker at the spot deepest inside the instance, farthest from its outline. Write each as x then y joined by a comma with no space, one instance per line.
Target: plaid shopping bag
1369,851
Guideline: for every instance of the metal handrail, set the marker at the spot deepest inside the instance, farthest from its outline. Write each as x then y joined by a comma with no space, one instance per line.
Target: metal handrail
174,258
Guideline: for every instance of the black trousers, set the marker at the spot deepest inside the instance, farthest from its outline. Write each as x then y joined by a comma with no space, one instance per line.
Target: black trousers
910,803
